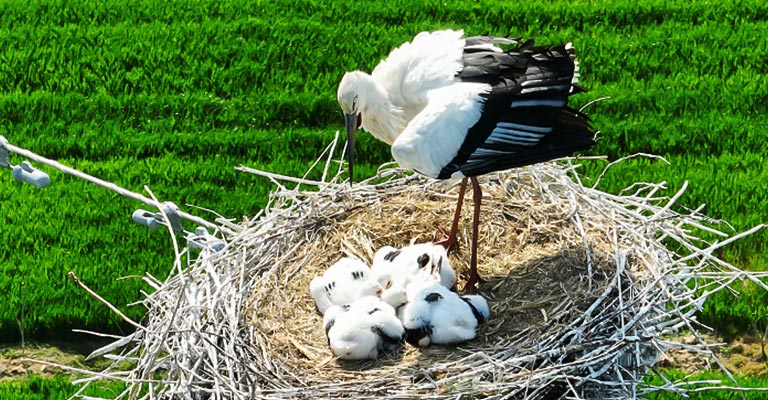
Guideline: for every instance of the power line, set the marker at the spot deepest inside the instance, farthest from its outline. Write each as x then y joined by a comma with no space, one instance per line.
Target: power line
27,173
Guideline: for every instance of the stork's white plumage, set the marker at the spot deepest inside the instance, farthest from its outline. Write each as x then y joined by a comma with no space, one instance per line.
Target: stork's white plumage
461,107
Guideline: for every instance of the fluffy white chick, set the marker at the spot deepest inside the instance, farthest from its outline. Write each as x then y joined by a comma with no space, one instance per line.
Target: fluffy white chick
345,281
394,295
434,314
360,330
395,269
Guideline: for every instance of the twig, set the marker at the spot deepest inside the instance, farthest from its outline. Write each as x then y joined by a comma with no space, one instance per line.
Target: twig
71,275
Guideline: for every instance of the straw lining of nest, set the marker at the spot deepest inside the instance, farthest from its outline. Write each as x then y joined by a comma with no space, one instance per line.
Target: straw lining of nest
582,292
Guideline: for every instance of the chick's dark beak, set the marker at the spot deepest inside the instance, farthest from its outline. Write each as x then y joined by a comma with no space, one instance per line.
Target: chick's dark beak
352,122
418,337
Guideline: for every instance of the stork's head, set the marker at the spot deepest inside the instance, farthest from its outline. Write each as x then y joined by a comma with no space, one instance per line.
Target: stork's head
351,101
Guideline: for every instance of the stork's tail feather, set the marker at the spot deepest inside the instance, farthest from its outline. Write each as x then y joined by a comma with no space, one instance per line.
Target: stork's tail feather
573,132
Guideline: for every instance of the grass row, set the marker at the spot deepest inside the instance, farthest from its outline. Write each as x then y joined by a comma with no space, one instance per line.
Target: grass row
253,65
680,376
59,387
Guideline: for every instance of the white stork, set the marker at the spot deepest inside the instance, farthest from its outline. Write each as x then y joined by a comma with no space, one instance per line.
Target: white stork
455,107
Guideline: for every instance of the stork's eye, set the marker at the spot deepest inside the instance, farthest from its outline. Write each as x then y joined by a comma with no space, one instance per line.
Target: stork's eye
354,104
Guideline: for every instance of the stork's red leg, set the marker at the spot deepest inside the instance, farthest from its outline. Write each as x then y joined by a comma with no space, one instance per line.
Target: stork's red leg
451,240
474,278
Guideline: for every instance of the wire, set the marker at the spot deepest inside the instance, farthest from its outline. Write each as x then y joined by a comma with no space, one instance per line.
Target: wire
108,185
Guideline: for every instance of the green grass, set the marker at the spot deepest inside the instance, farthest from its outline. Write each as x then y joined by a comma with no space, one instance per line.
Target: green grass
175,94
679,376
59,386
56,387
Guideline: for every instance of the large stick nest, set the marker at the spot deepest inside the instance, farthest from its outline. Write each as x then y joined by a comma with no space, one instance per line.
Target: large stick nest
582,284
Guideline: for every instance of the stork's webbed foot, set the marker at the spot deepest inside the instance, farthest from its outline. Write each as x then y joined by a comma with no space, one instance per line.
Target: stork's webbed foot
470,287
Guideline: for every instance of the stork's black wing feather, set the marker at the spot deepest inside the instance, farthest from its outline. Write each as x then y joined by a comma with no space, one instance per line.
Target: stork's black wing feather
525,117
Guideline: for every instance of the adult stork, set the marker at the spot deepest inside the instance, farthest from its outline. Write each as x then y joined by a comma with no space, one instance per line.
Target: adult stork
455,107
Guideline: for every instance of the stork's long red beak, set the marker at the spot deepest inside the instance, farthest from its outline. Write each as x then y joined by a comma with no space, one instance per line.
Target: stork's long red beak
352,122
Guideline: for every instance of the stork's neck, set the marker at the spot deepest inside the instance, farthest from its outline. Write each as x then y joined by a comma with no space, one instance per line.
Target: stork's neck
381,118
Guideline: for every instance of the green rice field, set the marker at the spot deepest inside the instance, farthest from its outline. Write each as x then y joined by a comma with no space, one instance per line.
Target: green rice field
175,94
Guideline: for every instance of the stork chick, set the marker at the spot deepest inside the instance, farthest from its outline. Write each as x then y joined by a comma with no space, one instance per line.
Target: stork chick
343,282
362,329
437,315
397,268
